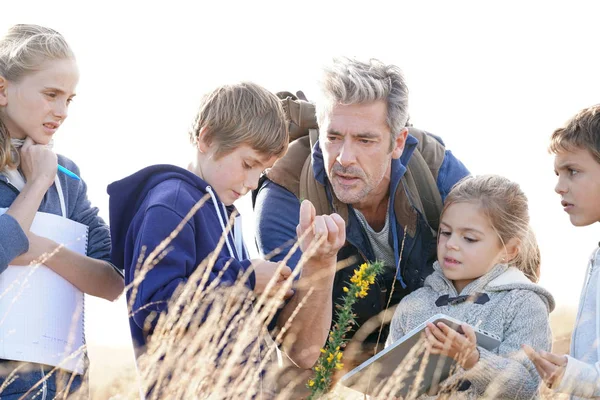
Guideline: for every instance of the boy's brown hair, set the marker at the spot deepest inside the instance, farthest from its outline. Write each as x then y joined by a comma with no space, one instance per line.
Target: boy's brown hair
581,131
242,114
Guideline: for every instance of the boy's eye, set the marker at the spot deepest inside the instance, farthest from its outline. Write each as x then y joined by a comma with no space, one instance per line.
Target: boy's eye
572,171
51,94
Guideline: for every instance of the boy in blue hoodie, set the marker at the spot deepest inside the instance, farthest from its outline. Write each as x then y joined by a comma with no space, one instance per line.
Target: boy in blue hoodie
240,131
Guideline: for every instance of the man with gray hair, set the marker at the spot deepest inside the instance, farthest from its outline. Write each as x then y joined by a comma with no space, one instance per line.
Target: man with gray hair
381,176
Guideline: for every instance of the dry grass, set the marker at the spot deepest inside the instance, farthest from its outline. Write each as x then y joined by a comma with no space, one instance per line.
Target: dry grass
211,344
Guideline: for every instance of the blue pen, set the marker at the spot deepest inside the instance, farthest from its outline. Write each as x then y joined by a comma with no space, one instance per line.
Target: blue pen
68,173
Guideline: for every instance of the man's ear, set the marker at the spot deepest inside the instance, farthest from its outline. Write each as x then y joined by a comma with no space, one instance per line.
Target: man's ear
3,91
398,144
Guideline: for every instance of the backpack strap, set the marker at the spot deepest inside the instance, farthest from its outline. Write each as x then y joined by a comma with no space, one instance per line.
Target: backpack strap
422,172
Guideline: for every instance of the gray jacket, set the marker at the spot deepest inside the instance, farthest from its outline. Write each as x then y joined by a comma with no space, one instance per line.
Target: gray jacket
517,311
13,240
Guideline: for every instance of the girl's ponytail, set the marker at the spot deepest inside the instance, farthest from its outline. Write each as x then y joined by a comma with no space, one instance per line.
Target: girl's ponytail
529,258
9,157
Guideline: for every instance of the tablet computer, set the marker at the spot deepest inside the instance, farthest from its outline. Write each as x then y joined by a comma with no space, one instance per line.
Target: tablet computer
403,368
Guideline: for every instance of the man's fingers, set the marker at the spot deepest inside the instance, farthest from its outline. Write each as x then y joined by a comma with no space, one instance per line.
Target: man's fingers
320,227
307,214
332,229
341,227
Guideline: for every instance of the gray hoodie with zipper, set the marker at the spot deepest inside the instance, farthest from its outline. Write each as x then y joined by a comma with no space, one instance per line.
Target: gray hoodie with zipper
517,311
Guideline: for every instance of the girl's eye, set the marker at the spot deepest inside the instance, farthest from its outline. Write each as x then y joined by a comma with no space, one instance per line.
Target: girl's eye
470,240
51,94
445,233
69,101
245,165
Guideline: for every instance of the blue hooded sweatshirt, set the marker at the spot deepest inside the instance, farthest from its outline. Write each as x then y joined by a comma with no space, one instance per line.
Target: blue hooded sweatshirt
144,209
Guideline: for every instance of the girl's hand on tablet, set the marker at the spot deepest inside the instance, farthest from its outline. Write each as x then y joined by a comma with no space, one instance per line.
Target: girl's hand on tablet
461,347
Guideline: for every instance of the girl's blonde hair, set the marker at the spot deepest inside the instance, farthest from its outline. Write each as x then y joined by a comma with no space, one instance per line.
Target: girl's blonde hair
23,48
505,205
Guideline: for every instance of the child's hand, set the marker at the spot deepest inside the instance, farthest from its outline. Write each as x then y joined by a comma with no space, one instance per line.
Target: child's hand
38,163
38,246
461,347
264,271
325,234
551,367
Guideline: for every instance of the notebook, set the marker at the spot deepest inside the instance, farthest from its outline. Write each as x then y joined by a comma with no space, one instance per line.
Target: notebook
41,313
373,374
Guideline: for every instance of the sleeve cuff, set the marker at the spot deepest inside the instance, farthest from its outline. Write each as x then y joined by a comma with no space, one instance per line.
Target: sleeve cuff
14,244
580,379
252,278
119,271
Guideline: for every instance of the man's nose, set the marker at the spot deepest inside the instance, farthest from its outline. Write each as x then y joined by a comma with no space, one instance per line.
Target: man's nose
347,155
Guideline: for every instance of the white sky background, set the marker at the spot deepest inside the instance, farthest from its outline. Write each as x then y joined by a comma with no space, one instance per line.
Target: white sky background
493,80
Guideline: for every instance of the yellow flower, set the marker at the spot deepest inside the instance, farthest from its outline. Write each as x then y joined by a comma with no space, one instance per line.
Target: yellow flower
345,289
330,358
311,383
339,356
317,369
323,351
339,366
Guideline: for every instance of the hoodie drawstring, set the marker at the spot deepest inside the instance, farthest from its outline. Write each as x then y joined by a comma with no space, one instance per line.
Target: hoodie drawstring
221,218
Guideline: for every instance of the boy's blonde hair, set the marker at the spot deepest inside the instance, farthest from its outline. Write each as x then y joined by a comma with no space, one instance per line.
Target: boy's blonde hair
581,131
23,48
505,205
243,113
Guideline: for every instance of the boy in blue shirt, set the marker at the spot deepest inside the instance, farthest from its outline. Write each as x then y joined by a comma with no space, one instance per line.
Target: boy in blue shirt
577,164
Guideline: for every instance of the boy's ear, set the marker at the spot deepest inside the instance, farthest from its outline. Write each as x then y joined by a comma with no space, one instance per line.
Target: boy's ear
3,90
203,143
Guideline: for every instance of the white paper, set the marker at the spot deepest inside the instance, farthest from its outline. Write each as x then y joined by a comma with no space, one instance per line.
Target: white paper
41,313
